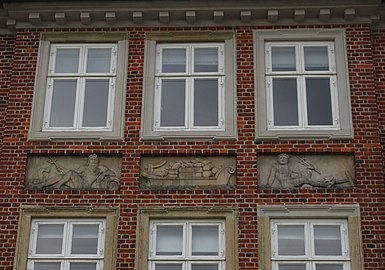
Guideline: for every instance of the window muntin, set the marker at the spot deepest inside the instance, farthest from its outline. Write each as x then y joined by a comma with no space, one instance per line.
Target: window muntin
301,86
189,87
186,245
66,244
309,245
80,87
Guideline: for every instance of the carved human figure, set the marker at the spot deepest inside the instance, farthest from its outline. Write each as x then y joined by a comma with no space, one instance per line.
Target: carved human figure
90,176
288,178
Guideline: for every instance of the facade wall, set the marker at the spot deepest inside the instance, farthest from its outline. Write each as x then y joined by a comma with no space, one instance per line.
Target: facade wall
366,77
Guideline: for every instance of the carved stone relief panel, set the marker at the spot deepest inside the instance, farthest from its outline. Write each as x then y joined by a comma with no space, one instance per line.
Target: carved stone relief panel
73,172
292,171
187,172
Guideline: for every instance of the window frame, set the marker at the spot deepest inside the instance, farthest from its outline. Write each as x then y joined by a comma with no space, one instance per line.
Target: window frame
81,77
29,215
342,126
227,101
310,258
348,214
189,76
186,258
114,129
203,215
301,75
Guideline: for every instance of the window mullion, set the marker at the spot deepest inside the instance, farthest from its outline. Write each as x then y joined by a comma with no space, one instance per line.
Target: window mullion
302,99
189,102
79,104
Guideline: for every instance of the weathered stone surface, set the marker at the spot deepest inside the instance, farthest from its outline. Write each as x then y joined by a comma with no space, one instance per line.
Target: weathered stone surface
305,171
73,172
187,172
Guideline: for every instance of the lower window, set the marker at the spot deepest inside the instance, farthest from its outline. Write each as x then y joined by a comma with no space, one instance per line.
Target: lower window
187,245
187,238
66,244
310,245
310,237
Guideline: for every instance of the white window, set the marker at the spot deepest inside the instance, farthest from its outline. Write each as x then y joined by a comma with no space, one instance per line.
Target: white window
189,86
66,244
310,245
301,85
80,87
186,245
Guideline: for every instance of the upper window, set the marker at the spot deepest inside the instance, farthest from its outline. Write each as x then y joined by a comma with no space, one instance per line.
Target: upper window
310,245
189,87
185,245
80,87
304,89
66,245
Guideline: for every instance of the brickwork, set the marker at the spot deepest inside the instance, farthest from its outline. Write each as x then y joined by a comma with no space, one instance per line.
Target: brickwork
366,58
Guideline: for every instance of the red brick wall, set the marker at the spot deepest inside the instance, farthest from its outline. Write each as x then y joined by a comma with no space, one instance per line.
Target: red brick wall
369,193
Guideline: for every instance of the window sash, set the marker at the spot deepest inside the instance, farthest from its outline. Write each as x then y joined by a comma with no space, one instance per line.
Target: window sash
302,103
187,241
299,57
82,61
79,104
64,264
309,241
187,265
67,239
189,104
190,57
311,265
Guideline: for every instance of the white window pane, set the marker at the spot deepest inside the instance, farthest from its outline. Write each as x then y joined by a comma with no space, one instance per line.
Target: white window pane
168,267
63,103
83,266
316,58
329,267
173,103
283,59
206,102
205,240
174,60
96,103
67,60
85,239
99,60
291,240
327,240
46,266
206,60
319,103
49,239
292,267
169,240
285,104
204,267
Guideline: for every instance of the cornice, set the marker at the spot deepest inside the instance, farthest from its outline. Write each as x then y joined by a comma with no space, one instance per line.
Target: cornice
179,13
